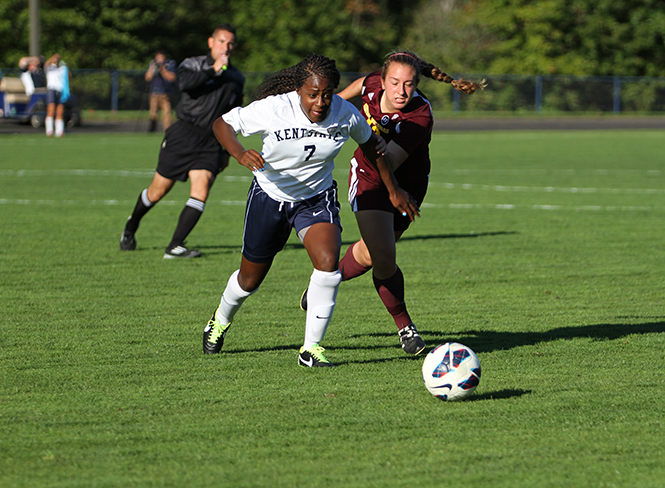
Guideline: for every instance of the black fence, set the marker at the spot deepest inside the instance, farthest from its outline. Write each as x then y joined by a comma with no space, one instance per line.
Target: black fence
127,90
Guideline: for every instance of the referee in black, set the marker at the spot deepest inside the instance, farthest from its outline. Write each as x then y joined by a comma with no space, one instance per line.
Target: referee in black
210,86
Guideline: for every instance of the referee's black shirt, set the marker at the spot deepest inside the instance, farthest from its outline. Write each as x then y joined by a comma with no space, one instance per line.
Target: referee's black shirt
206,95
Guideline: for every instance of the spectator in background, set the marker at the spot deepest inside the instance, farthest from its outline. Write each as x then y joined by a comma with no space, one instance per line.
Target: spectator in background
57,84
161,76
32,73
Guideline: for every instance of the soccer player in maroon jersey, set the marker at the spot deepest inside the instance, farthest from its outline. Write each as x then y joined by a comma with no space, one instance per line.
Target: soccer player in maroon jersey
401,114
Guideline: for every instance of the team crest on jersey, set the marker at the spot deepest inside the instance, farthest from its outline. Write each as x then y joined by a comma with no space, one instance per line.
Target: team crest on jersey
384,120
333,131
373,123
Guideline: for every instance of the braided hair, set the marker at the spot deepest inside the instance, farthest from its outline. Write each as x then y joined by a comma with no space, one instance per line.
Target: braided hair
294,77
428,70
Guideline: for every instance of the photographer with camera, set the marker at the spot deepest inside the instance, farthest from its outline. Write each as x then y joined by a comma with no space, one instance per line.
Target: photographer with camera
160,75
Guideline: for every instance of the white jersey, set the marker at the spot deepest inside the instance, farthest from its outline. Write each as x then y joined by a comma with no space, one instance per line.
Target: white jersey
55,77
299,154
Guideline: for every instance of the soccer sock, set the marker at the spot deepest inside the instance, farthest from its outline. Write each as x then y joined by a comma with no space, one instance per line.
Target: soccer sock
391,292
232,299
349,267
48,122
59,127
188,218
321,296
140,209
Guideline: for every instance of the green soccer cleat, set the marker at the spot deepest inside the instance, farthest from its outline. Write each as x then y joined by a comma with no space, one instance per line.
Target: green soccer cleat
213,336
313,358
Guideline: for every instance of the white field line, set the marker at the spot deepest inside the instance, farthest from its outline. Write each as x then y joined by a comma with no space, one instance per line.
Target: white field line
546,189
452,206
448,186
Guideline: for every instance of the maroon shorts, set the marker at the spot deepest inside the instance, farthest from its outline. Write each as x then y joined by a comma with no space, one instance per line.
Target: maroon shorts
367,192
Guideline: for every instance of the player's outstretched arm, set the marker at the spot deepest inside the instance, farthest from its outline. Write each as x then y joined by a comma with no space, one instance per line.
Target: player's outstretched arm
400,198
353,90
227,137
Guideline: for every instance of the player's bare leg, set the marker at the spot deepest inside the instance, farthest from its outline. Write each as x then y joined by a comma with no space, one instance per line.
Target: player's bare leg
377,249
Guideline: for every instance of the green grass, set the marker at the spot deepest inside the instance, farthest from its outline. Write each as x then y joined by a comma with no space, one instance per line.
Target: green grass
543,251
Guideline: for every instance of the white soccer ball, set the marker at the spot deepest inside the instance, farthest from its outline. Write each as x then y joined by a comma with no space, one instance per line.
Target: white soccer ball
451,371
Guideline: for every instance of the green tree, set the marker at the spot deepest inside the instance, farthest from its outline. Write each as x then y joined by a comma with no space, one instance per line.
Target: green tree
125,33
443,34
573,37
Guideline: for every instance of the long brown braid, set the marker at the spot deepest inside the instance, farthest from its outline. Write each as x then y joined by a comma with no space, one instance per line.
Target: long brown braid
292,78
428,70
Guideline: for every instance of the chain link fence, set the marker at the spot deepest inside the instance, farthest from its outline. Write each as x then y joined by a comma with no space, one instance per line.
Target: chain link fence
127,90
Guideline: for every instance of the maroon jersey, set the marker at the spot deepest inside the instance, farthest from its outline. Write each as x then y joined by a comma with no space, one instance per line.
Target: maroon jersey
411,129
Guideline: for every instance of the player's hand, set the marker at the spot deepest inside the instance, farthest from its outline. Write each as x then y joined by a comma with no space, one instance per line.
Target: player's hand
405,203
381,146
251,160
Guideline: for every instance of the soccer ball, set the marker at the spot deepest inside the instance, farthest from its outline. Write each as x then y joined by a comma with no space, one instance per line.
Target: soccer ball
451,371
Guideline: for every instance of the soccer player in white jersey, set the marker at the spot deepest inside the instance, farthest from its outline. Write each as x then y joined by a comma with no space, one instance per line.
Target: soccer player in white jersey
303,125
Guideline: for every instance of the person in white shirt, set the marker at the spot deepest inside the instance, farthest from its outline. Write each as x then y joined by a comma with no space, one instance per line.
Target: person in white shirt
303,127
57,84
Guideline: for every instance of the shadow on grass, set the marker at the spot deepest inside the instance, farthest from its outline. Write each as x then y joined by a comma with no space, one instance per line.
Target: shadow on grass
497,395
487,341
296,245
457,236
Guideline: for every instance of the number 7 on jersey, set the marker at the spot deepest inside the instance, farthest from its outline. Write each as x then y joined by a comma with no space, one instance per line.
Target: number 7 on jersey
311,149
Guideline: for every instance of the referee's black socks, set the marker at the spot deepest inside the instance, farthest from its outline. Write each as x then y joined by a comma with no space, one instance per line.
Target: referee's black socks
140,209
189,216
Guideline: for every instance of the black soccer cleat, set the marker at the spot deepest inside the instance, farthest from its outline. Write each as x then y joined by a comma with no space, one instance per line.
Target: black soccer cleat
213,336
411,342
303,300
181,252
127,241
313,358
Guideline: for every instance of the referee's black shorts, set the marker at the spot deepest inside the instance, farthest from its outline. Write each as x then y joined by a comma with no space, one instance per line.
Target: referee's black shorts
186,147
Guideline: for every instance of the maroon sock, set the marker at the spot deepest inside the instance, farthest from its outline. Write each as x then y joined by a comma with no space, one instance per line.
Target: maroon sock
349,267
391,292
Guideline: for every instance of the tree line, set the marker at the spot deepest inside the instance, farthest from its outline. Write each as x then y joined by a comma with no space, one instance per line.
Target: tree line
570,37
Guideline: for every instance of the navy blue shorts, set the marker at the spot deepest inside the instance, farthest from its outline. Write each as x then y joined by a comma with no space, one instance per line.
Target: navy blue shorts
268,223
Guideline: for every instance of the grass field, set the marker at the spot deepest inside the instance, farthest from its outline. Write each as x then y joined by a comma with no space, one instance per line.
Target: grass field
542,251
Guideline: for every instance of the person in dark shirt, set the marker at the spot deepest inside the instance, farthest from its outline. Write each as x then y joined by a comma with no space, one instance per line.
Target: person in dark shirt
32,73
210,86
161,76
